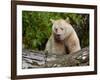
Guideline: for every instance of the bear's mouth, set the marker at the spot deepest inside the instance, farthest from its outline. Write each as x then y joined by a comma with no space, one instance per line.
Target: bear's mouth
58,37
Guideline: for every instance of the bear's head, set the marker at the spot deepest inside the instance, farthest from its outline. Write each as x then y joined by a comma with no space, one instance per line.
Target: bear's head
60,29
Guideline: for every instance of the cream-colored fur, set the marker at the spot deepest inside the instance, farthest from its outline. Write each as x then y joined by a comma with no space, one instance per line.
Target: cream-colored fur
63,38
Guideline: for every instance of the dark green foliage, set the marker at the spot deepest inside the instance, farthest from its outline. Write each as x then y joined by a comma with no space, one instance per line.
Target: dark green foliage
37,27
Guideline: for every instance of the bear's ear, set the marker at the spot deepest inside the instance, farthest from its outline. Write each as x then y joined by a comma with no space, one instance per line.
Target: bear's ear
52,20
67,20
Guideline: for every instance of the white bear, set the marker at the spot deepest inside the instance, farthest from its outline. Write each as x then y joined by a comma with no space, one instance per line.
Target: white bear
63,38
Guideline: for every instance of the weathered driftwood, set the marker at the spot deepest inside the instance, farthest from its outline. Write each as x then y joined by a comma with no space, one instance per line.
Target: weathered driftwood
40,59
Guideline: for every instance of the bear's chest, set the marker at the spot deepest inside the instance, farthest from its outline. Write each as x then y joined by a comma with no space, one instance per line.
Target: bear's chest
58,48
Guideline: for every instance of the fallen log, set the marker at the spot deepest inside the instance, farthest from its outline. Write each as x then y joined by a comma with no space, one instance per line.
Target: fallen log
40,59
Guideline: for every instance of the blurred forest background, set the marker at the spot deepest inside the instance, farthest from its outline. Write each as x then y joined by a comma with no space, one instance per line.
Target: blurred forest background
37,27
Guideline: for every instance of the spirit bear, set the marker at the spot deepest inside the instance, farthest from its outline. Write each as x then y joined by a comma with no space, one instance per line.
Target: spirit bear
63,38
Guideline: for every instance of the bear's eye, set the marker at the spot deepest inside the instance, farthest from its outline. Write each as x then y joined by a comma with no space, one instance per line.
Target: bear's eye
61,28
56,29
